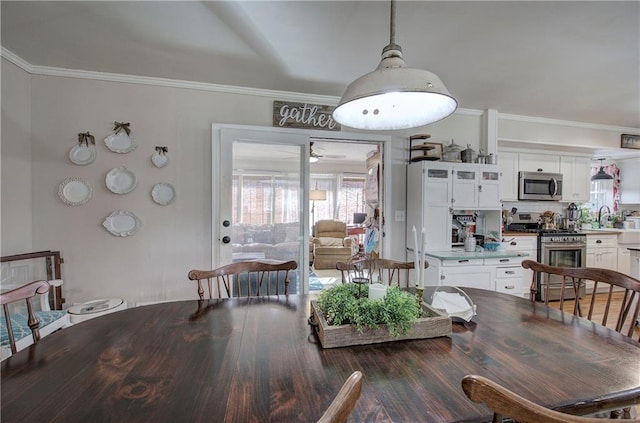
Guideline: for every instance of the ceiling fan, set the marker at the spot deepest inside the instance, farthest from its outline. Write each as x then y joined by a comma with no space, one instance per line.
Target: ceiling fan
313,156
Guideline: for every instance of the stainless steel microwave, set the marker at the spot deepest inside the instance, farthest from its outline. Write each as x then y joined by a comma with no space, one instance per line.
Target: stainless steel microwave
539,186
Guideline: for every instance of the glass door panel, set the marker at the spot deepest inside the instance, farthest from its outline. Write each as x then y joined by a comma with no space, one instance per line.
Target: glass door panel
261,200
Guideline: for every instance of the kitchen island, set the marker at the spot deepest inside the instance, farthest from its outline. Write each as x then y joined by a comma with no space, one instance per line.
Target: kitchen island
499,271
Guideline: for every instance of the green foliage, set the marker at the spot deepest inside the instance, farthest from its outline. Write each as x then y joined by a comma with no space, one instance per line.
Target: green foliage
342,306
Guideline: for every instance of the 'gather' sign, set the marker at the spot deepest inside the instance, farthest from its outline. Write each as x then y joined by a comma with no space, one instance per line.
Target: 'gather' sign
304,115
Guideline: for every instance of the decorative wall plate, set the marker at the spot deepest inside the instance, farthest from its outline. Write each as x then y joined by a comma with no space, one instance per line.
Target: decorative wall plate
74,191
122,223
163,193
82,154
121,180
120,143
159,160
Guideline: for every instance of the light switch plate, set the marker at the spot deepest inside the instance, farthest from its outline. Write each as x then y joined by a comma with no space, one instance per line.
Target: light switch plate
399,215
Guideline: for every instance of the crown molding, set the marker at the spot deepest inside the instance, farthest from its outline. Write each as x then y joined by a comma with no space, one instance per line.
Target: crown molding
16,60
558,122
283,95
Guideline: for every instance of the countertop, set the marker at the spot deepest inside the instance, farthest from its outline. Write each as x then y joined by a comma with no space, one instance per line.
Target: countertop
508,234
463,255
601,231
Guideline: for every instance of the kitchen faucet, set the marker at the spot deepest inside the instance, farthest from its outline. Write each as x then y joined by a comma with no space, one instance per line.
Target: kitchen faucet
600,214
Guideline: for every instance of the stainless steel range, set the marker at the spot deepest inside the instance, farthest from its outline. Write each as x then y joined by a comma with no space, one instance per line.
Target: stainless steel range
556,247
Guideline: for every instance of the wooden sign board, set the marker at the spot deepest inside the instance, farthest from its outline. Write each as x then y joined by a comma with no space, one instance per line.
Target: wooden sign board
303,115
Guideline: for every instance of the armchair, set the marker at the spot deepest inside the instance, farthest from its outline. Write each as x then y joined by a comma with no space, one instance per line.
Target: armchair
331,244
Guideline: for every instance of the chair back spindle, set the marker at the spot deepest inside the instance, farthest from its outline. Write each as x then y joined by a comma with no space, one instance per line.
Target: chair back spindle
26,293
385,271
260,277
621,293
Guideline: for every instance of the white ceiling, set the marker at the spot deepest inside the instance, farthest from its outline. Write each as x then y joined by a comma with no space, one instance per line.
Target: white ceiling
571,60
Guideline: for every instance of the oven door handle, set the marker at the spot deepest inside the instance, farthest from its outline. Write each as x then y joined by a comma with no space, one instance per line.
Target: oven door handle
564,246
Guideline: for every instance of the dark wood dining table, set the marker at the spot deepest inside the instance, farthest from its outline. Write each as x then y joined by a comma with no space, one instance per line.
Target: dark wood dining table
257,360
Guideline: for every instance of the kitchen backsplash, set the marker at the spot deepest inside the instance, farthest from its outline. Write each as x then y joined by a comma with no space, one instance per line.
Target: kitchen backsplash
535,206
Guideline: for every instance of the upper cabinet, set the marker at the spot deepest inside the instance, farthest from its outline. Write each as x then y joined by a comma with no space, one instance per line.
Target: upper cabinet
435,189
629,181
508,163
538,163
575,173
575,178
476,187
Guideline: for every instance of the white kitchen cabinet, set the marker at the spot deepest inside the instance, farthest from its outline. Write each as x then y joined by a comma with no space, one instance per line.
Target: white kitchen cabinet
602,251
576,180
510,280
435,189
429,190
624,260
489,188
547,163
494,274
508,163
470,277
465,187
476,187
525,244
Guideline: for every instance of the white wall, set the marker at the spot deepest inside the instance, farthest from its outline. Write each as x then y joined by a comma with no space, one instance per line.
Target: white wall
16,208
151,265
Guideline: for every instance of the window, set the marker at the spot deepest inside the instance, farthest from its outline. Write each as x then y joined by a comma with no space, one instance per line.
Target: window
264,199
605,193
345,196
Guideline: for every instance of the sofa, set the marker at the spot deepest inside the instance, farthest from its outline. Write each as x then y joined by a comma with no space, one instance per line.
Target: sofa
331,244
279,241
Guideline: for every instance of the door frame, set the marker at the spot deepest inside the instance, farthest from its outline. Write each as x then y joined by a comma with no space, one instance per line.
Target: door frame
216,176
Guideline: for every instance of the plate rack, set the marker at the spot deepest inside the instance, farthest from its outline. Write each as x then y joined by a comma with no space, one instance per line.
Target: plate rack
419,150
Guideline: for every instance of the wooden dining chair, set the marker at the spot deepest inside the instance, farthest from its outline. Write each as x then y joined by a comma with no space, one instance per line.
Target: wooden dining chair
26,293
609,283
505,403
386,271
345,401
265,277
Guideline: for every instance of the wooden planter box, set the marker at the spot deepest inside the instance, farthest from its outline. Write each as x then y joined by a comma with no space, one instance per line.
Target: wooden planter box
435,324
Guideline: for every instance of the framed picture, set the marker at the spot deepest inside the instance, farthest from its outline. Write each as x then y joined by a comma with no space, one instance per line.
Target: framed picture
426,151
630,141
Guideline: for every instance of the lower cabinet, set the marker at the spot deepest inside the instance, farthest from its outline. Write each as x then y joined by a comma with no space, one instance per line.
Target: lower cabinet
602,251
624,260
493,274
471,275
525,244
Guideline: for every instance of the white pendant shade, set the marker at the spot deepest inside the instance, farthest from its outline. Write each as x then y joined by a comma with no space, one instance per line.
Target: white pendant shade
394,96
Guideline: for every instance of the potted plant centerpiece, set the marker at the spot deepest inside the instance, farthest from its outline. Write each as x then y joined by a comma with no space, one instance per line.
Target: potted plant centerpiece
346,315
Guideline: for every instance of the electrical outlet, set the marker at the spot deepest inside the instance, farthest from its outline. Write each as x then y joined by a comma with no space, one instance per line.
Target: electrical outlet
399,215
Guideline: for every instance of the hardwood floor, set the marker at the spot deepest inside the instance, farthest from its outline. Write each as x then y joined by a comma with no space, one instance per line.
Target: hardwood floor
599,310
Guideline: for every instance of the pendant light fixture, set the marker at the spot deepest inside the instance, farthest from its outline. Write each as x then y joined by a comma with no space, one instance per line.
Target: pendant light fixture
394,96
601,175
